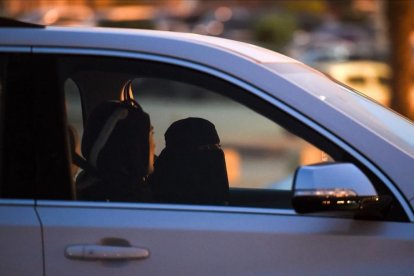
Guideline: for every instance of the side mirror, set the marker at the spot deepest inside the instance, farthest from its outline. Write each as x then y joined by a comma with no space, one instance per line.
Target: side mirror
337,187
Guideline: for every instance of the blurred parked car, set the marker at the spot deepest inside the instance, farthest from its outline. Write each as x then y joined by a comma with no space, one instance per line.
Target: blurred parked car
350,214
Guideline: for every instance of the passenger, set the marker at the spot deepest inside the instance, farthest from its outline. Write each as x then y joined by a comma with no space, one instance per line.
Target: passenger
191,168
118,147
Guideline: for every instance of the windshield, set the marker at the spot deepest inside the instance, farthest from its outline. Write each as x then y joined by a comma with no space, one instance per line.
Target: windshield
379,119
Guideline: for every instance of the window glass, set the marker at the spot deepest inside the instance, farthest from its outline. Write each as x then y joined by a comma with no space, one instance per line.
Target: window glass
259,153
2,96
73,107
17,155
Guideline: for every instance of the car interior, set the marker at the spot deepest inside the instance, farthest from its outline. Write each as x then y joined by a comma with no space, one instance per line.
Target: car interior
97,86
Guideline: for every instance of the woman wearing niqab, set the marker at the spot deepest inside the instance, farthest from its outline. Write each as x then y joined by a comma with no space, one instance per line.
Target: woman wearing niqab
191,168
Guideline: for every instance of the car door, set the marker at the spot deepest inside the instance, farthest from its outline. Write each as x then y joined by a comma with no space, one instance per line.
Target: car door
20,233
256,233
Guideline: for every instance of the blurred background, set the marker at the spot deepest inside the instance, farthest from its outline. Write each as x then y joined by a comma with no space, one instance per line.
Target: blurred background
366,44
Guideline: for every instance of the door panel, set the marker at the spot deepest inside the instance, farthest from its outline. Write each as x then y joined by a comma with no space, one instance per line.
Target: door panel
20,239
212,241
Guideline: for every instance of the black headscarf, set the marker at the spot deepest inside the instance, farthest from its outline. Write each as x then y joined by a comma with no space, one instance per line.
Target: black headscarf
115,144
191,168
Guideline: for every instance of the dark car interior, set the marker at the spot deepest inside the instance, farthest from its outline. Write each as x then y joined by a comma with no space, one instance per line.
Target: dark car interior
97,86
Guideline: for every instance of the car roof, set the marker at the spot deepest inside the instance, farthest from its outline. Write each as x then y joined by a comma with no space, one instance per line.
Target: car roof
137,40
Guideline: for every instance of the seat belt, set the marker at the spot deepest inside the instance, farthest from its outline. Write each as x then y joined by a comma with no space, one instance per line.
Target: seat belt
84,165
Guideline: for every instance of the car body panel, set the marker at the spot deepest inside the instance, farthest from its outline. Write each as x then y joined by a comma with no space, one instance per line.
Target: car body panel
20,233
218,241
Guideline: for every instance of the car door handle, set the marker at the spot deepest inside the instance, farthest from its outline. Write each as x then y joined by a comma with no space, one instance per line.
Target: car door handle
105,252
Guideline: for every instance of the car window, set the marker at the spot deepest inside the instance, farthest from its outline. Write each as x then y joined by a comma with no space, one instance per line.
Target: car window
73,108
259,153
2,98
17,170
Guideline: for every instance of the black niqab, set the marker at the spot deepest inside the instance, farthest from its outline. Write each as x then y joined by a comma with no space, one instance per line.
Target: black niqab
191,168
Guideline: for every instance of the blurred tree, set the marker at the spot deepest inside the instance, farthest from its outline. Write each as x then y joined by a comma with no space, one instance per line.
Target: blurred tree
310,6
400,14
274,30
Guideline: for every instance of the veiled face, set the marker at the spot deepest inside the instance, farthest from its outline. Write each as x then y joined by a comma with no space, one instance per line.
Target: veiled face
151,150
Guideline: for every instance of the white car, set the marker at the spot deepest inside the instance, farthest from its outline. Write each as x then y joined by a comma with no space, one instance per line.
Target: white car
350,213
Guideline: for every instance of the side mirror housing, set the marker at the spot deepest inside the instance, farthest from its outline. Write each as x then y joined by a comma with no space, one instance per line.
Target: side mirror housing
337,187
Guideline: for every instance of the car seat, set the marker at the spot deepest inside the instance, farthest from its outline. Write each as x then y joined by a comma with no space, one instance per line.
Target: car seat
115,145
